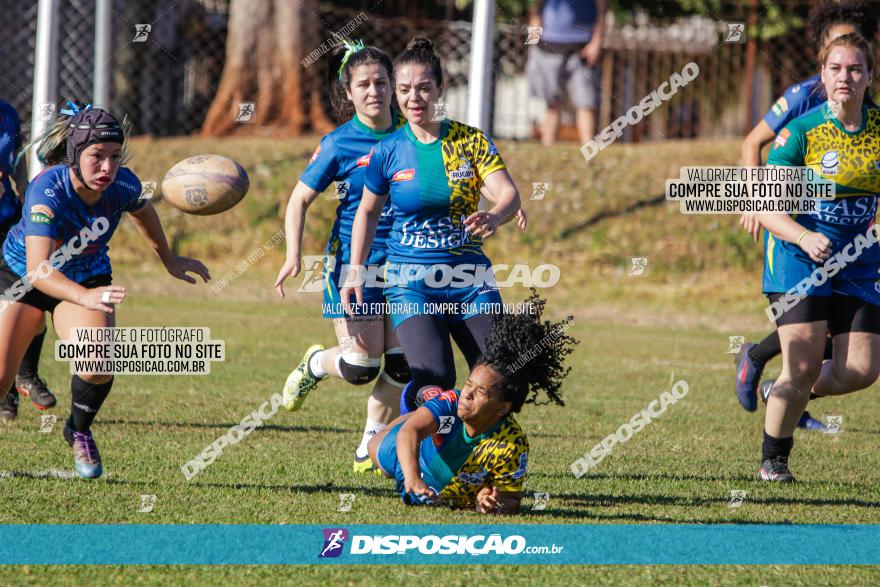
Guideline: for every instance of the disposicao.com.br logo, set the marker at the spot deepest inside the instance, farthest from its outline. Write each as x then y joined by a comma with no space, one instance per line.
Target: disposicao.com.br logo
476,545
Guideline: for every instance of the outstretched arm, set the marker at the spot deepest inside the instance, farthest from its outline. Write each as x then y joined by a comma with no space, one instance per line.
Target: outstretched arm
148,224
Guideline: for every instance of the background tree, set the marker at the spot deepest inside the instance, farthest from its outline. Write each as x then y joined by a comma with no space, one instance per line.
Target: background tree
265,46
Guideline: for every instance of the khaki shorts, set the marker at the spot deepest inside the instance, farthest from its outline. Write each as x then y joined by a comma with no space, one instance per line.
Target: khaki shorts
551,66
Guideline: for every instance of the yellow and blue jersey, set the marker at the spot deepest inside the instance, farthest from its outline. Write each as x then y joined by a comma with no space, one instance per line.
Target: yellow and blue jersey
851,160
455,465
433,188
341,158
10,144
53,209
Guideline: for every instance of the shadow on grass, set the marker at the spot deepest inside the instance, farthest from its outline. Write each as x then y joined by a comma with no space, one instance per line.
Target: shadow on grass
227,426
605,214
310,489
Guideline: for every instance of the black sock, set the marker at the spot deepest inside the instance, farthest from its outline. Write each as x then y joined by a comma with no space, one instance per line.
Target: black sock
776,447
766,349
86,400
31,360
829,348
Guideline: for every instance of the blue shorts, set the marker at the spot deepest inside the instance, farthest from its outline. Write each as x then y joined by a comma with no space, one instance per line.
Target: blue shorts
387,457
414,297
337,255
786,266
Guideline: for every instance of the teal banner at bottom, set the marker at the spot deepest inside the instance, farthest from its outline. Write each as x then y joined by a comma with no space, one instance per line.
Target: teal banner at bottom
509,544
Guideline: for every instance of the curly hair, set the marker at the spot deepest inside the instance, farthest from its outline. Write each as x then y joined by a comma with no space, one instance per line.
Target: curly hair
529,354
854,12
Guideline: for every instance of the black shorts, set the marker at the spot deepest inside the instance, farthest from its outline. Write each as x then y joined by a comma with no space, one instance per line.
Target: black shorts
35,297
843,313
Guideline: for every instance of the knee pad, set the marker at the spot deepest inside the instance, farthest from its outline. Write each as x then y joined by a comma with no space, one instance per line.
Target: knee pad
396,370
357,368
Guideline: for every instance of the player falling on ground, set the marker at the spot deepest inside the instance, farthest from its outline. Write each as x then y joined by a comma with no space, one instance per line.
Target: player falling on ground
433,170
27,381
826,22
465,448
84,188
841,142
362,92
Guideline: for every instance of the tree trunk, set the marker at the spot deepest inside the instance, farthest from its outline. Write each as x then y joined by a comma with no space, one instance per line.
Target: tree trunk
264,49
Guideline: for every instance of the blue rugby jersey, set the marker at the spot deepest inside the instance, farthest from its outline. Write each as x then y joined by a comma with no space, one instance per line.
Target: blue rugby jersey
10,144
52,208
342,158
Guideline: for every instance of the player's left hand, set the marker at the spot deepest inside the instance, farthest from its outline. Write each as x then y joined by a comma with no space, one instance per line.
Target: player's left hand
482,224
179,267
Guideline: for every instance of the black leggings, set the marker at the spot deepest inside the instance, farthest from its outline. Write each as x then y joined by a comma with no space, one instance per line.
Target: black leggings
426,343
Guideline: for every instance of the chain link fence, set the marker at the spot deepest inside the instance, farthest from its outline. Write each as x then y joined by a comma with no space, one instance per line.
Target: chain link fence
165,77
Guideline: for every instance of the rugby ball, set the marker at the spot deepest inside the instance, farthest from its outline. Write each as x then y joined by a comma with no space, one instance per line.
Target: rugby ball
205,184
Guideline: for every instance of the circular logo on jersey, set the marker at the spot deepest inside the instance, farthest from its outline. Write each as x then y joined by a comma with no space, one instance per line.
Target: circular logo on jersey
461,169
830,161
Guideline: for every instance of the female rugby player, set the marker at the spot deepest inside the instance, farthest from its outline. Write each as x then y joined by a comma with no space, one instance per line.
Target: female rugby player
465,449
433,171
361,80
826,22
840,141
27,380
81,199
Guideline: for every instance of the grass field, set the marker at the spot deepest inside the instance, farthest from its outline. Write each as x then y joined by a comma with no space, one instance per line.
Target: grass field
638,334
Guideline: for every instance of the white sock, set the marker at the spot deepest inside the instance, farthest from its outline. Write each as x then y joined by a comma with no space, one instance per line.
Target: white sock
315,365
371,429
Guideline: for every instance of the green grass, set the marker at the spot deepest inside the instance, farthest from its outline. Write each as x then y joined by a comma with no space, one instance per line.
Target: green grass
638,335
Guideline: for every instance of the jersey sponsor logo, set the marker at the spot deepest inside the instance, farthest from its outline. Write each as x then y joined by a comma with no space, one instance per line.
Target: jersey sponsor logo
449,395
48,192
404,175
780,107
523,463
475,478
44,210
40,219
782,137
830,162
851,211
365,160
441,233
315,155
462,171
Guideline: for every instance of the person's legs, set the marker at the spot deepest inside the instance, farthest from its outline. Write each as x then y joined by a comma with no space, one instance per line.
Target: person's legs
88,391
470,336
550,124
383,402
28,381
855,326
585,120
18,323
802,348
425,341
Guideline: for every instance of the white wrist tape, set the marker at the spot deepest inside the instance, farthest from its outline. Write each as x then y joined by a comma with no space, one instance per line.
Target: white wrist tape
105,297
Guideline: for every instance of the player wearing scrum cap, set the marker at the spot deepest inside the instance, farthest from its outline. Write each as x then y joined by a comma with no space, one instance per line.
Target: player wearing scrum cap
55,259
